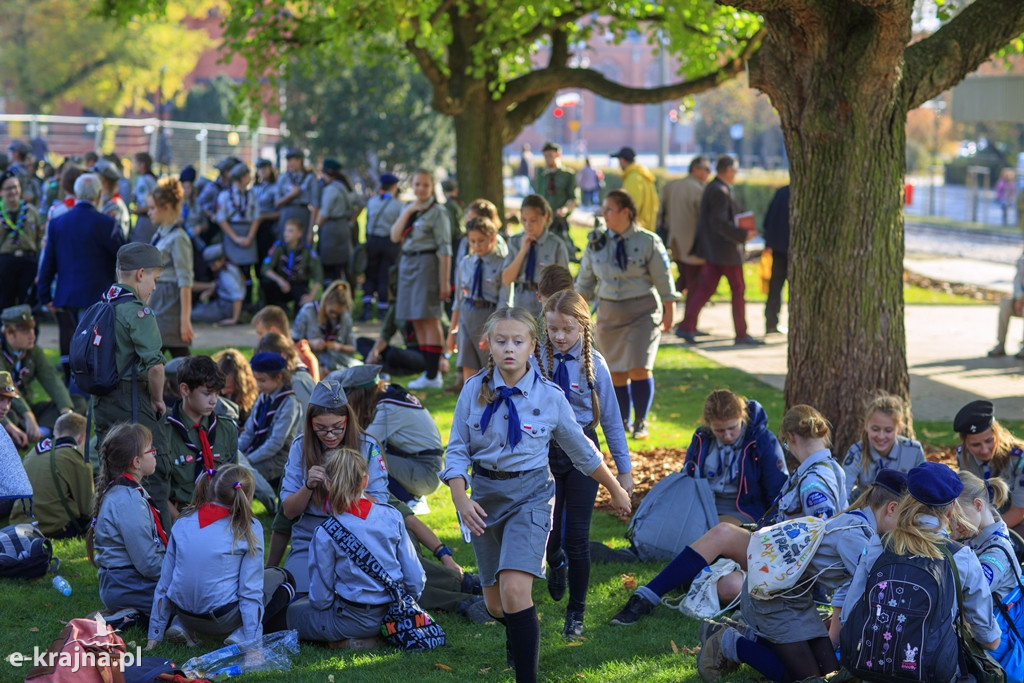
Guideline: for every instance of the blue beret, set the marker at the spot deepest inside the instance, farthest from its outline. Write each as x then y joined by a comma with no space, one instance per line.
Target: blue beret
934,484
892,480
328,394
388,179
268,361
331,166
188,174
974,418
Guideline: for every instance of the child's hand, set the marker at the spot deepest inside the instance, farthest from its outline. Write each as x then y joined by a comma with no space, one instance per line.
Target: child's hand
473,515
625,480
317,476
620,501
450,343
286,287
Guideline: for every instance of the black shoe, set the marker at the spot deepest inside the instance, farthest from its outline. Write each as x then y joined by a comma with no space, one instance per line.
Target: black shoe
471,584
747,340
640,432
688,337
636,607
557,580
599,552
701,333
573,628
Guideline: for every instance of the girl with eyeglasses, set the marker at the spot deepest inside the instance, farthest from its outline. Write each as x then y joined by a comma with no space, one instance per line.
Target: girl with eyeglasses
126,541
329,424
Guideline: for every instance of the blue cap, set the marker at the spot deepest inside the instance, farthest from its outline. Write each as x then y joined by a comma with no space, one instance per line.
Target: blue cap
934,484
893,481
388,179
188,174
268,361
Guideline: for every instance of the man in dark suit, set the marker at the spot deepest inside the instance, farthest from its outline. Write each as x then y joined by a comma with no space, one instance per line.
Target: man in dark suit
776,238
81,252
720,243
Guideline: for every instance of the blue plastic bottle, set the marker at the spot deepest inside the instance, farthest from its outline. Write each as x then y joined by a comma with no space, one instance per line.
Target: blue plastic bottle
62,585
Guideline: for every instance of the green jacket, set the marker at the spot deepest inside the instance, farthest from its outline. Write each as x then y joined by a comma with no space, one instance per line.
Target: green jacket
31,366
136,332
73,476
185,448
557,186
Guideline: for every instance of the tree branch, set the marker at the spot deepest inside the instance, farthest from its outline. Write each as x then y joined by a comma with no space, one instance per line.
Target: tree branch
523,113
439,13
442,101
557,77
940,61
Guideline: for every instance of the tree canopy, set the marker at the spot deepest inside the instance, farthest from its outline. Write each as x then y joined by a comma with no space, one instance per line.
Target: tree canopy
62,49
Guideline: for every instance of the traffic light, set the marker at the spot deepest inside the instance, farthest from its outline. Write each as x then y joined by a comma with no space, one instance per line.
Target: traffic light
558,112
673,115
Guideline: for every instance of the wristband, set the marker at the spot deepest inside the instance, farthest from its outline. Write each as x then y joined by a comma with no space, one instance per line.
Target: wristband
311,488
442,551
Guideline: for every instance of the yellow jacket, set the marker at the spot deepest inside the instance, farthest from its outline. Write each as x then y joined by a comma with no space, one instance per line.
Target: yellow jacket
638,181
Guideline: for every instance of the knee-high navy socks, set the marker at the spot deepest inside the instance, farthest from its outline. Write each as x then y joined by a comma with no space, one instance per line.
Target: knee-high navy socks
622,398
642,393
524,639
679,573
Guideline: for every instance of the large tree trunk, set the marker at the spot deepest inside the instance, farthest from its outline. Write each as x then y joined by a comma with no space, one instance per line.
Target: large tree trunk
844,132
478,150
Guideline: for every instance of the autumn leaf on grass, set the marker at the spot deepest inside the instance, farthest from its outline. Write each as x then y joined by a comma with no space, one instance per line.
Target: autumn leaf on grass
442,667
575,643
34,629
628,582
485,670
675,648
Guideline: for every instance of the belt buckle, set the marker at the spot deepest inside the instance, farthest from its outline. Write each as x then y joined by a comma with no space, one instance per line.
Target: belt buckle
19,253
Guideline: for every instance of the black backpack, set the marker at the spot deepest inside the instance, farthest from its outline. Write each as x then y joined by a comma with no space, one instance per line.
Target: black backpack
25,553
901,628
93,352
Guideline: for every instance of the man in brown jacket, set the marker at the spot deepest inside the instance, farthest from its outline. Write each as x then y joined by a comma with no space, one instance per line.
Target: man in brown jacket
720,242
677,217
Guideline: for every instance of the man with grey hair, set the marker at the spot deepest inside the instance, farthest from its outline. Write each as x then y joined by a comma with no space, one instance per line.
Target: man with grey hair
81,254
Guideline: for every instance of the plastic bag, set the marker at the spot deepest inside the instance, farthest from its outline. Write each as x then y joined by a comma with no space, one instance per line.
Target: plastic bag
701,601
269,653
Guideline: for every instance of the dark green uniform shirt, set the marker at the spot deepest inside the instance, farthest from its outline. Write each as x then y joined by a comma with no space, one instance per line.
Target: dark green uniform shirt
27,367
137,333
57,468
185,447
557,186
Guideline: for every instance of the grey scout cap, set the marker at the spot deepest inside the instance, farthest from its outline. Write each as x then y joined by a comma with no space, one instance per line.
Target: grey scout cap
328,394
137,255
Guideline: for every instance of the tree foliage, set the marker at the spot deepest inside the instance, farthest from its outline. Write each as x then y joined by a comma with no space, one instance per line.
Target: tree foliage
64,49
374,114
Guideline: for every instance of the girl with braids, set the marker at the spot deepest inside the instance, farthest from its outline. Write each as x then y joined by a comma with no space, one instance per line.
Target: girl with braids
816,489
989,451
344,602
504,419
739,456
329,423
424,273
882,445
127,541
213,580
581,373
925,516
785,638
327,326
529,252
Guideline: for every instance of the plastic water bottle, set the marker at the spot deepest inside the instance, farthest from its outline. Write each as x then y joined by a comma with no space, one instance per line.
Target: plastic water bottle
62,585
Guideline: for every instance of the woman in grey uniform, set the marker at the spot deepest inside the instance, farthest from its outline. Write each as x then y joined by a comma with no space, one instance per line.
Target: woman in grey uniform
236,214
267,215
296,194
882,445
627,269
424,273
336,215
172,299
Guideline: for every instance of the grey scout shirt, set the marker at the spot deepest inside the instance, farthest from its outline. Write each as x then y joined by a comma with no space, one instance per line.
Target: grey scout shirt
817,489
1000,569
544,413
223,572
905,454
381,213
125,533
647,269
583,406
305,181
1012,473
430,231
333,575
176,247
338,202
490,282
236,206
295,474
551,250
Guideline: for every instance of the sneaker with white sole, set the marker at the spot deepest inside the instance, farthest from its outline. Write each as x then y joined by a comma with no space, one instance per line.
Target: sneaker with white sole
423,382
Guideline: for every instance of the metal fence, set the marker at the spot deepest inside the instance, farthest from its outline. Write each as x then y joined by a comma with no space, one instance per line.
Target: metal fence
172,144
